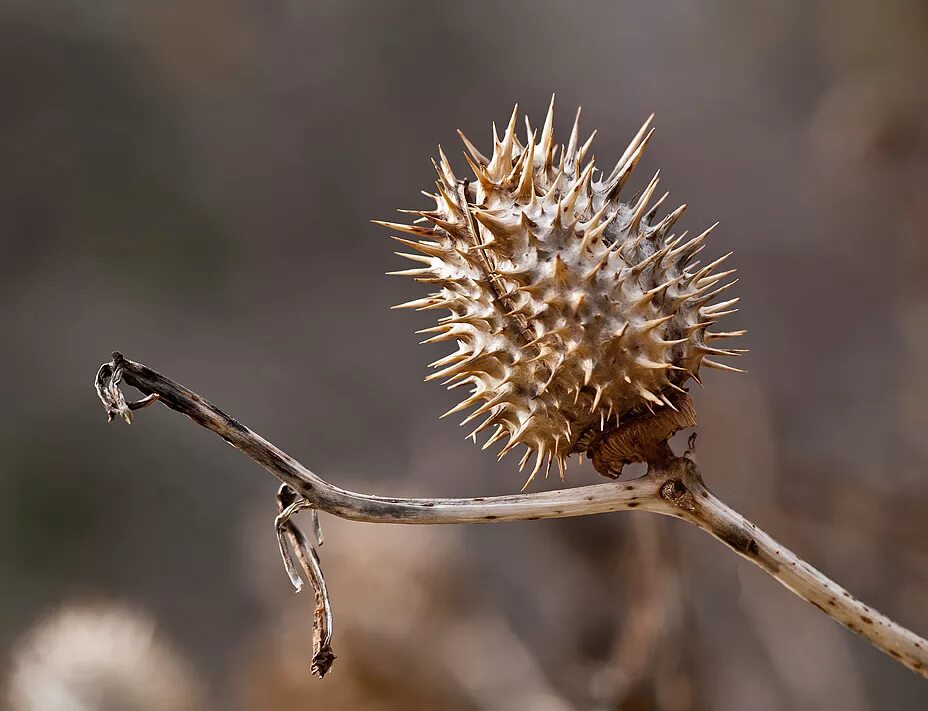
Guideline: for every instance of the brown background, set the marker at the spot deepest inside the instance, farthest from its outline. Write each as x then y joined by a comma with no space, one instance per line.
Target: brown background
192,182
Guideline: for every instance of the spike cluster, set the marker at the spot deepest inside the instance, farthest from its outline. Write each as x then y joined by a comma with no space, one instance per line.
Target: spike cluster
570,308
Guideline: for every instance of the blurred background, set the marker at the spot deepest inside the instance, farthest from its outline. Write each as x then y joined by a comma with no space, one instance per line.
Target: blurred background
191,183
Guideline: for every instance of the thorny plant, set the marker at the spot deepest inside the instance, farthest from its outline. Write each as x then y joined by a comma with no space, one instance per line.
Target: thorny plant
578,319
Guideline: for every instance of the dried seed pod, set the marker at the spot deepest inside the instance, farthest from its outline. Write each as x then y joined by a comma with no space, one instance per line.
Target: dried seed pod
571,310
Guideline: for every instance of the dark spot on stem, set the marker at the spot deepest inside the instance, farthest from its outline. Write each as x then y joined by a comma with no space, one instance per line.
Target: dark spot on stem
739,541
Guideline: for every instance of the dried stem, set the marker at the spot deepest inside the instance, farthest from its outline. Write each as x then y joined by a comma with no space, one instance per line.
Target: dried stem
674,488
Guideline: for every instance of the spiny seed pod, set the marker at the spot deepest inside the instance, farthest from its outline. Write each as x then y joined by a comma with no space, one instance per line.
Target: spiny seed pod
571,309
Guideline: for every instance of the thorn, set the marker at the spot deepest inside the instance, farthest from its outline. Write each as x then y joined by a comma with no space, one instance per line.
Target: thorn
663,227
614,185
596,399
642,204
538,460
711,310
630,149
408,229
714,278
591,235
654,323
411,272
495,437
721,366
648,364
448,173
528,452
689,249
526,187
587,372
431,250
455,357
416,303
547,137
730,352
495,225
718,292
483,178
491,403
477,155
702,273
721,334
449,336
716,315
415,257
441,328
560,272
482,426
581,185
653,258
574,136
557,223
649,217
489,244
668,403
649,396
464,404
501,164
581,154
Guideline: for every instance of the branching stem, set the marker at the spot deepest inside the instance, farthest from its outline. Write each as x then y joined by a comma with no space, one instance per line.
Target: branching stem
674,488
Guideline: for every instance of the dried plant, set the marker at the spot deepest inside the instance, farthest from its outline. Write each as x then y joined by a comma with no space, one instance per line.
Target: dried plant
578,320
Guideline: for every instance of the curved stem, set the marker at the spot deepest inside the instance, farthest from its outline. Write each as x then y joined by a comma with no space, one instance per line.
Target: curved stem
580,501
674,488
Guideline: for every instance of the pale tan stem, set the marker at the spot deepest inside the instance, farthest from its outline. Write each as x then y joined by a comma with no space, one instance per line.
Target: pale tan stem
690,499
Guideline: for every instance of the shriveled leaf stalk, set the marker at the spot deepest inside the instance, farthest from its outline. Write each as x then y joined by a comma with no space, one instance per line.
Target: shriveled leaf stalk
673,487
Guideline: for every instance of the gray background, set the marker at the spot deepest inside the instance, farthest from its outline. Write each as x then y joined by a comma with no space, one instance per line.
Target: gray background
191,183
